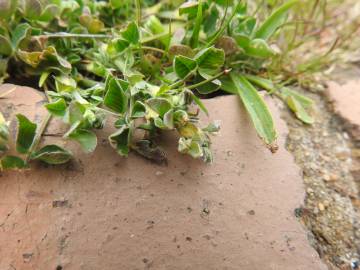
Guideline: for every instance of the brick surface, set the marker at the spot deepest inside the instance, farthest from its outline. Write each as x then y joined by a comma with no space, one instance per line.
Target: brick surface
106,212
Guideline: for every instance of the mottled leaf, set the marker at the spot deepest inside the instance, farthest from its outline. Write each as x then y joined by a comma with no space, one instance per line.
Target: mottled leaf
25,134
52,154
184,66
86,138
12,163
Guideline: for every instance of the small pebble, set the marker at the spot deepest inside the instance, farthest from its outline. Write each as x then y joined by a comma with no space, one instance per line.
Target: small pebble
159,173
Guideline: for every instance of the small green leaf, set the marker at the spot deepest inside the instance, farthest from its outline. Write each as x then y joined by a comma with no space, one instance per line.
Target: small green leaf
259,48
86,138
272,23
43,78
21,32
159,105
131,33
198,102
115,97
93,25
7,8
4,129
169,119
189,130
120,140
257,109
115,4
5,46
184,66
190,147
299,110
75,113
305,101
261,82
209,87
57,108
242,41
210,58
49,13
65,83
138,110
157,28
52,154
32,9
190,8
212,128
247,27
4,134
118,46
12,163
25,135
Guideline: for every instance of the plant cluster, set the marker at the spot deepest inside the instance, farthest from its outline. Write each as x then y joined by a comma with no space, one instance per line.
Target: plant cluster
143,64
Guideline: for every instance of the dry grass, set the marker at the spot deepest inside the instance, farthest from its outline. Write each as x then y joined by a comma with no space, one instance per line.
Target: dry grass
323,35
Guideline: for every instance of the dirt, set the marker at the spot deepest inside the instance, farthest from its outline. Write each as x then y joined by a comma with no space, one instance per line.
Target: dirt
325,152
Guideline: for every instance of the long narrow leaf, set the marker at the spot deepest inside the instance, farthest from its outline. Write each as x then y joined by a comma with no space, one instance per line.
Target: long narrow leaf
195,34
276,19
257,109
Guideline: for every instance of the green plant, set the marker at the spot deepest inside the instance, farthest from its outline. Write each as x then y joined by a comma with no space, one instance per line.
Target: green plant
98,60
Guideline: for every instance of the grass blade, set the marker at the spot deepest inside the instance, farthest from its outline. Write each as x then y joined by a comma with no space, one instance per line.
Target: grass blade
194,41
276,19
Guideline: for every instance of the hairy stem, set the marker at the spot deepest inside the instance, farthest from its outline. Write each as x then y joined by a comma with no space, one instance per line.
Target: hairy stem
38,135
225,72
68,35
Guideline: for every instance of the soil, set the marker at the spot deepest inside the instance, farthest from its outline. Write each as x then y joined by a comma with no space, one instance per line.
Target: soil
327,153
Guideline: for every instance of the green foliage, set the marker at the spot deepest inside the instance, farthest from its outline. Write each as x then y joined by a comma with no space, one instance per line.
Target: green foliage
99,60
258,111
52,154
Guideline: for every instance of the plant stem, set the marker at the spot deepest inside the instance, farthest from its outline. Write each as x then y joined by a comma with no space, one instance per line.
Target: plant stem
182,81
154,37
223,27
41,129
152,49
226,71
107,111
38,135
68,35
138,12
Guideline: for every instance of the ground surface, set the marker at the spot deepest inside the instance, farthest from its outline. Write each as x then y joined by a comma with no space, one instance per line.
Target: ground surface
106,212
328,153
